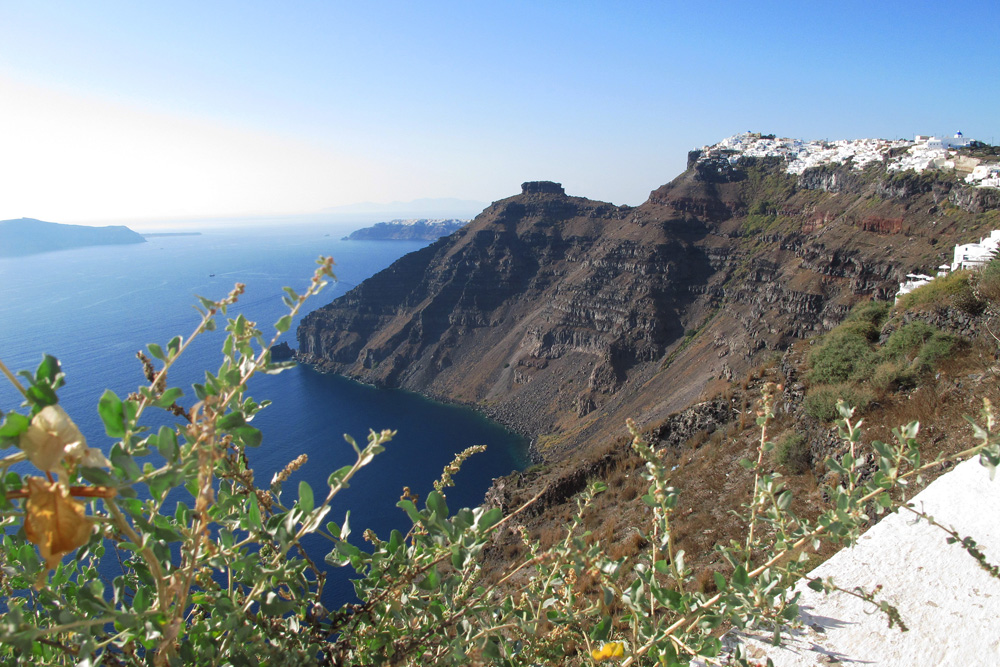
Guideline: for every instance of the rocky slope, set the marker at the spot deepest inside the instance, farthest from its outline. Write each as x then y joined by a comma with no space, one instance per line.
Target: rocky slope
562,316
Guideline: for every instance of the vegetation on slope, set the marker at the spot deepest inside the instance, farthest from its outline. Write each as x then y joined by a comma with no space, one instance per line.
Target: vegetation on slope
639,552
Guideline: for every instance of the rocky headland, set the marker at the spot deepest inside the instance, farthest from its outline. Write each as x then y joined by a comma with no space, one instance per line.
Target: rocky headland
407,230
27,236
562,316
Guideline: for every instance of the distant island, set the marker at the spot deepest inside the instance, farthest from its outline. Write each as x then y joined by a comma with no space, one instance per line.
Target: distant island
27,236
407,230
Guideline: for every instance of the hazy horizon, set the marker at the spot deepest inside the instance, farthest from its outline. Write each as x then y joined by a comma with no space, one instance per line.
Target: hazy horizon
226,110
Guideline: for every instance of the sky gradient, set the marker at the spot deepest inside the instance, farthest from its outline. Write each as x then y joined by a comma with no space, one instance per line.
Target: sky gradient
122,112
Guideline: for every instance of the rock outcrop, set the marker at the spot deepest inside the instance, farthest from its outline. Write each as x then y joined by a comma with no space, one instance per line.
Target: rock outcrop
407,230
562,316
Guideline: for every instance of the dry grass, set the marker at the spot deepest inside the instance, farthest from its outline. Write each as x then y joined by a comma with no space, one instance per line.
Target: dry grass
714,488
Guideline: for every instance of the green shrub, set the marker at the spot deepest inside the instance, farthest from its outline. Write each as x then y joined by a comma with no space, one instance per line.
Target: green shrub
873,312
792,453
938,347
893,376
846,353
821,401
988,282
919,344
905,342
939,293
230,576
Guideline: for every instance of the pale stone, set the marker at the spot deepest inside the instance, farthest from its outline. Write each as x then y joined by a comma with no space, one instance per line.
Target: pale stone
949,603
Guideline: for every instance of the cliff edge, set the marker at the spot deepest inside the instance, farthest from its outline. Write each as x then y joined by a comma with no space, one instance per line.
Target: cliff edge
562,316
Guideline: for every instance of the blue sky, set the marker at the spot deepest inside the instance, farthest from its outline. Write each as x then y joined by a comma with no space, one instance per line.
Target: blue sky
114,111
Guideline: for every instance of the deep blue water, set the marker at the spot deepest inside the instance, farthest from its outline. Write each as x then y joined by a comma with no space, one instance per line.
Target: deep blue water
93,308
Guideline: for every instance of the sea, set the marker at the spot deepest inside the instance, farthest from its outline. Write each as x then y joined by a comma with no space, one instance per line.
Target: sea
94,308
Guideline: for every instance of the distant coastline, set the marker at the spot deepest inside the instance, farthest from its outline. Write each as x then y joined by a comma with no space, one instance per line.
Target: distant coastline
422,229
28,236
157,234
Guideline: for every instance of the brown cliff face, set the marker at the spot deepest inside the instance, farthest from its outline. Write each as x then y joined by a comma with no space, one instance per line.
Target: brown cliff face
538,290
563,316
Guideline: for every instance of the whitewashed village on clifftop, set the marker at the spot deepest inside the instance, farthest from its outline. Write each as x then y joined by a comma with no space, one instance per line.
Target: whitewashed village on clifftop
923,153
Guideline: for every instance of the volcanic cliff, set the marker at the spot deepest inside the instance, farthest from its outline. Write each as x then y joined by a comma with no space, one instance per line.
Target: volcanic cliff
563,316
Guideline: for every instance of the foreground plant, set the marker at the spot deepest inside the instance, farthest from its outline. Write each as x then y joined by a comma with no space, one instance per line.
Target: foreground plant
214,571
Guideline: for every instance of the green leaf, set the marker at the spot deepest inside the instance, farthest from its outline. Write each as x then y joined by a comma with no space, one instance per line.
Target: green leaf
253,513
337,477
13,425
305,497
740,578
231,420
125,463
491,649
42,395
112,413
174,346
436,504
97,476
273,605
333,529
156,351
720,581
602,630
249,436
169,397
710,621
666,596
790,612
490,518
784,500
411,510
166,443
395,540
48,371
283,324
816,585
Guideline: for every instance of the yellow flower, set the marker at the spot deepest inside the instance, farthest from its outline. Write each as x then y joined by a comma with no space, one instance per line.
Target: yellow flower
609,650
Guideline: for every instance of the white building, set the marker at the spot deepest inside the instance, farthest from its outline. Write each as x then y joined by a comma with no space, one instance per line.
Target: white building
957,141
913,281
925,152
967,256
985,176
974,255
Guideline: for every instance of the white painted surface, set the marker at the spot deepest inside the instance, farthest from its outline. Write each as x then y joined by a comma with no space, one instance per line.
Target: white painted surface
951,605
922,153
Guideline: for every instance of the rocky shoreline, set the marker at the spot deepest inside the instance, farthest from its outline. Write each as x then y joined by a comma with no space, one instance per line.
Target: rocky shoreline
509,417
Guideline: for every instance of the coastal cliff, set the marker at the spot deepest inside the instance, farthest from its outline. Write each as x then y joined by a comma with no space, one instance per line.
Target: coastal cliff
27,236
562,316
406,230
